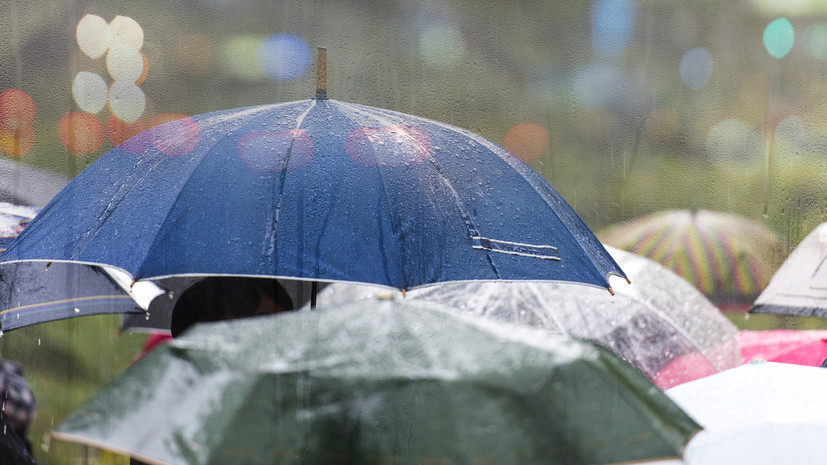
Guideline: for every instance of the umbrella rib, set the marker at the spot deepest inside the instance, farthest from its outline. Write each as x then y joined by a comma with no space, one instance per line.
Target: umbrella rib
554,202
380,237
112,206
264,115
471,228
271,239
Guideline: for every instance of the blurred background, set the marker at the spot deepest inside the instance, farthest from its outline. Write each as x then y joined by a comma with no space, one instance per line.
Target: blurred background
626,107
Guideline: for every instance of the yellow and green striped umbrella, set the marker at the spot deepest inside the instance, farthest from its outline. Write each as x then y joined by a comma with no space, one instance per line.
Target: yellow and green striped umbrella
727,257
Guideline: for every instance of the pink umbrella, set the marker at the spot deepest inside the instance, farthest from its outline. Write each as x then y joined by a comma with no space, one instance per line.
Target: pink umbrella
799,347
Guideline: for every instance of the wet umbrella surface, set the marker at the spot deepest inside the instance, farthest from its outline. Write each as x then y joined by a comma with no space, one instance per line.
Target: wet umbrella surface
727,257
380,381
35,292
657,320
799,287
758,413
318,190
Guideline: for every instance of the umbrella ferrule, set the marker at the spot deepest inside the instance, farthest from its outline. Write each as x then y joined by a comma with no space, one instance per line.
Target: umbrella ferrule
321,75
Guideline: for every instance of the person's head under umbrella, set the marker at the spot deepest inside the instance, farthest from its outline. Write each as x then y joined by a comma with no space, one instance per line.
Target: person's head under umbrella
228,297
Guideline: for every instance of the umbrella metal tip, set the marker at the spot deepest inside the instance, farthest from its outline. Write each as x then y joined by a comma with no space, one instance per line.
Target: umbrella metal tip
611,291
321,74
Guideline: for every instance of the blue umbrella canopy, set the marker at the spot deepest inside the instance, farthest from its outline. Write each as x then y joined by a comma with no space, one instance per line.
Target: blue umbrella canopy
32,292
318,190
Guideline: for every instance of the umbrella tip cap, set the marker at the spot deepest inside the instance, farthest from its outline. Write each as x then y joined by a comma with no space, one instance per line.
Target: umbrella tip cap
321,74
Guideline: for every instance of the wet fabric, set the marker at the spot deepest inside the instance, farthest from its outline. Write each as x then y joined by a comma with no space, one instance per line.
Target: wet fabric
379,381
797,288
760,413
656,321
316,189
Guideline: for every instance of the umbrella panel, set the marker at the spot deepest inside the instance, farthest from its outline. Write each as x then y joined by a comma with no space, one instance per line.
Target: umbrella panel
797,288
351,193
654,323
389,381
728,258
760,412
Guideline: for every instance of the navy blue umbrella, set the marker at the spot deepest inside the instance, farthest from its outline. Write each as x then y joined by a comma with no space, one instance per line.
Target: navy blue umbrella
317,190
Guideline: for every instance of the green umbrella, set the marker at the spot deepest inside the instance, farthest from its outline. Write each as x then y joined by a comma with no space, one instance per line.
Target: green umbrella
380,382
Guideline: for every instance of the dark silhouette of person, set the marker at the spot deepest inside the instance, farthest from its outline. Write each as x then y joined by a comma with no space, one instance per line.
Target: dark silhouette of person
18,405
228,297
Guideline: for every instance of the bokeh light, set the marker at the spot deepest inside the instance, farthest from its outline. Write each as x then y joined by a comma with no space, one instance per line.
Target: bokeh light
441,45
145,69
817,41
92,34
89,91
662,125
16,104
598,84
239,56
613,23
124,30
16,137
125,63
279,151
696,67
196,54
119,131
177,137
390,146
284,57
779,36
126,100
733,141
527,141
80,133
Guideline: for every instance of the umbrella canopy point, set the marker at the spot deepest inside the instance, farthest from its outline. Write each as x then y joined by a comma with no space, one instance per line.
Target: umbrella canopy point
321,74
389,380
797,288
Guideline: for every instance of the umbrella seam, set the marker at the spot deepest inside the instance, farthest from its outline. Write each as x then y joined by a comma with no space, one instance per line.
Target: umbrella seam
263,115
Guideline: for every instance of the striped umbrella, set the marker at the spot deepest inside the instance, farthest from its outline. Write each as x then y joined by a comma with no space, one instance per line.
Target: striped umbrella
728,258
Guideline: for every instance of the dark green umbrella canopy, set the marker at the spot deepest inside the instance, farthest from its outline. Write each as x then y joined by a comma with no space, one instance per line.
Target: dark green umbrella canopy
380,382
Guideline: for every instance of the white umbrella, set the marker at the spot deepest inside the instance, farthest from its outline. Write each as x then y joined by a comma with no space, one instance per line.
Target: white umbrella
758,413
799,287
658,319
